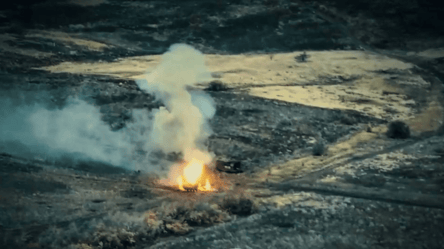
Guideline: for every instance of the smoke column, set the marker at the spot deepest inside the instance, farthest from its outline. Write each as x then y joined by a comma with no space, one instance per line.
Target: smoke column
182,124
33,129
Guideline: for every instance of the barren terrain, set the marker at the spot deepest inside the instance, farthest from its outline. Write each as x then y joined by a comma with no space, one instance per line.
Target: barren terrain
306,96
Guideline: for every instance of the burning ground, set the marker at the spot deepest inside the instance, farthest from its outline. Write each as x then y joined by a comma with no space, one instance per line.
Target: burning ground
245,124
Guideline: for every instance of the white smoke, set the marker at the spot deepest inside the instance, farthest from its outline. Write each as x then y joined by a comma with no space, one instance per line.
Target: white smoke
77,130
180,126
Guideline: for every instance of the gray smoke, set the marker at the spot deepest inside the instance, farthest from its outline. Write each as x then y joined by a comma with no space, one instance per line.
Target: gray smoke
182,125
77,130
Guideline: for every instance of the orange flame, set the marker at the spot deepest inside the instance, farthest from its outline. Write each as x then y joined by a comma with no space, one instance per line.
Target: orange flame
193,174
207,186
180,183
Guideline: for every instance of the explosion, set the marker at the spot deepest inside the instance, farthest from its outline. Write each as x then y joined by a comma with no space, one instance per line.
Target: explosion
192,177
182,125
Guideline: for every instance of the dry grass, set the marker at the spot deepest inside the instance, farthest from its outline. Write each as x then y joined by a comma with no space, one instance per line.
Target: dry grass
126,230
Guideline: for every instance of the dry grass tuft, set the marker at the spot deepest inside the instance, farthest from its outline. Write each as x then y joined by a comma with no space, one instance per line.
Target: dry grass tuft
115,237
178,228
179,217
153,223
238,204
126,230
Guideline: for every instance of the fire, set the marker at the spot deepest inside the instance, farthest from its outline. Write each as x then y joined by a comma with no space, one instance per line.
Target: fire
180,183
193,177
194,173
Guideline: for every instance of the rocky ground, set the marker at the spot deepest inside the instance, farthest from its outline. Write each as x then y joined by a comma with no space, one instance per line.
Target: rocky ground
306,93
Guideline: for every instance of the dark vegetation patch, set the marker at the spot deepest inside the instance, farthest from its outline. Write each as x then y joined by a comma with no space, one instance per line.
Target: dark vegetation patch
319,149
391,24
216,86
137,192
184,25
348,120
240,206
54,15
398,130
30,185
7,165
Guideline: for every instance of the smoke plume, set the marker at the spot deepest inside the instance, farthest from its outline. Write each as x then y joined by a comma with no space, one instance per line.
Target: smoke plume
76,130
33,129
180,126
